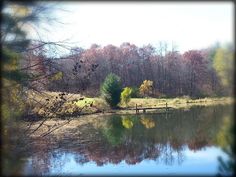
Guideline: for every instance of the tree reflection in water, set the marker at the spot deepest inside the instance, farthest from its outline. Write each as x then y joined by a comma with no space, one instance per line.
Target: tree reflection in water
225,139
134,138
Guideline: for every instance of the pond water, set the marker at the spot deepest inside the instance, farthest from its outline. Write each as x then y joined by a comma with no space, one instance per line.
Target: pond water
196,141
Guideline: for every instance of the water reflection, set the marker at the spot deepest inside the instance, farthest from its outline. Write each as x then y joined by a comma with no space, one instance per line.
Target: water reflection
183,142
226,141
127,122
147,122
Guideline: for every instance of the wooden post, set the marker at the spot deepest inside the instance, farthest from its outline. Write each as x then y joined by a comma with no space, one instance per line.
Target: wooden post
136,108
166,110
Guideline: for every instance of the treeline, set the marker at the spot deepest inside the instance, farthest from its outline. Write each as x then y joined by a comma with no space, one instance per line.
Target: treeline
196,73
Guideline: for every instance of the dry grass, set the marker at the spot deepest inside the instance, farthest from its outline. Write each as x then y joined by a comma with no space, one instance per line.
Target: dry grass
75,102
42,103
178,102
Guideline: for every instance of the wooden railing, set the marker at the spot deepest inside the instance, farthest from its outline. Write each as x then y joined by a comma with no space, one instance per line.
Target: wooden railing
137,109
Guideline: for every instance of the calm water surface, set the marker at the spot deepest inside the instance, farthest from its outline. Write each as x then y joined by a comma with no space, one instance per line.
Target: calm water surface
195,141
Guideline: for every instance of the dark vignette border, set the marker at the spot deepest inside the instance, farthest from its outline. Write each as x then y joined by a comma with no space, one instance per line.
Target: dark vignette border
124,1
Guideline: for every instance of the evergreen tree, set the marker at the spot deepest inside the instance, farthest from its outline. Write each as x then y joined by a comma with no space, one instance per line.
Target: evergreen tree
111,90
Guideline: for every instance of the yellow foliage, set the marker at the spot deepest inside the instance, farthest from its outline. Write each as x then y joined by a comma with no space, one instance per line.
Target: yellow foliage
127,123
126,95
147,122
224,137
223,64
146,88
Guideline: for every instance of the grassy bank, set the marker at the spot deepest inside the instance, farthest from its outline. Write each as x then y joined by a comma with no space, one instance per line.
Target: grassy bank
76,104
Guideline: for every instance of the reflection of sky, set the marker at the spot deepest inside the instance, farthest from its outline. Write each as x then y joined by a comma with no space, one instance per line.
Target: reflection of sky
199,162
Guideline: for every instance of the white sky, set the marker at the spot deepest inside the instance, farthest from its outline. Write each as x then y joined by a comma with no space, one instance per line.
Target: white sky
192,25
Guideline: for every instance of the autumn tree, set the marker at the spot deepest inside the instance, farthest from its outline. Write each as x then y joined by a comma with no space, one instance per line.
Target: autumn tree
214,86
224,65
146,88
195,72
126,95
172,76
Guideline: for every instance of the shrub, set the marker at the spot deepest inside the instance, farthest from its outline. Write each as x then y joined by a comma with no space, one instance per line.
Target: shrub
126,95
111,90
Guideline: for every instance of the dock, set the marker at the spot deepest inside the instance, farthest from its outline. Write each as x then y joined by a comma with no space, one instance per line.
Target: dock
137,109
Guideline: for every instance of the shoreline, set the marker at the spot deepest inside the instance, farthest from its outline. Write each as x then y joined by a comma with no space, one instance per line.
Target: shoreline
101,108
173,107
187,106
93,119
71,122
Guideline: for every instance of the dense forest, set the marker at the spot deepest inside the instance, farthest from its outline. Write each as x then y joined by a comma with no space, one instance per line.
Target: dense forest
196,73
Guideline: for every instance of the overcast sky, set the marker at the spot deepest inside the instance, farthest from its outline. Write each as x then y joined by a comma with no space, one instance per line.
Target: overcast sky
192,25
